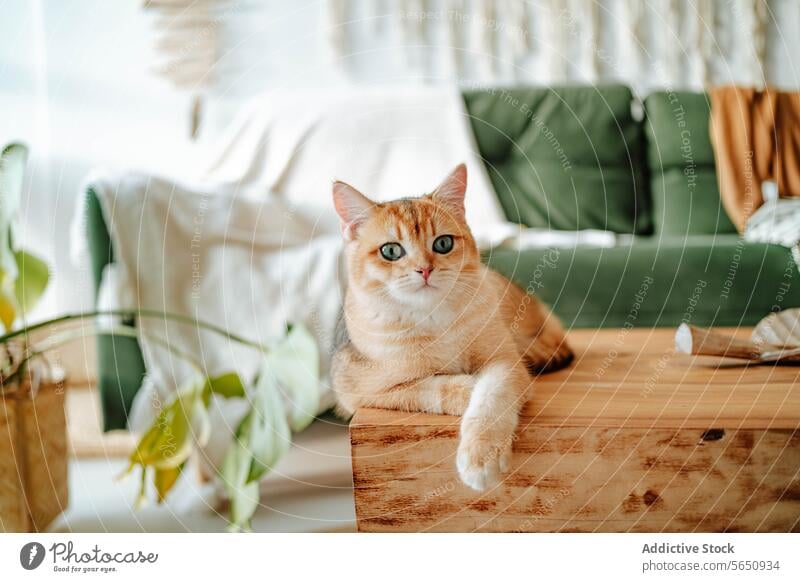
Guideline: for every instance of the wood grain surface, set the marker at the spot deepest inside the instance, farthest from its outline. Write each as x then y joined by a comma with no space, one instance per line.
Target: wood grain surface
632,437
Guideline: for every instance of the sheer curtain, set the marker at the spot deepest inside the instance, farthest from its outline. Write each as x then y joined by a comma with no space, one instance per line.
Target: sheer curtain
76,86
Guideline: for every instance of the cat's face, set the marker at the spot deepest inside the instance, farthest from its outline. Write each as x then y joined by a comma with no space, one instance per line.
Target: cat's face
413,252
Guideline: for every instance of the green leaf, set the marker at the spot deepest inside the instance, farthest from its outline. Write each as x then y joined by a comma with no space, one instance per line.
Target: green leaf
170,439
228,385
244,503
236,464
235,469
200,422
174,444
8,301
295,364
168,442
147,447
33,276
165,480
269,435
12,177
262,438
141,498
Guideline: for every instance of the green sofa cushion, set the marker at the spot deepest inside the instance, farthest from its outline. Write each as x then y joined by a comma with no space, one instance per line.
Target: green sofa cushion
707,280
683,180
567,158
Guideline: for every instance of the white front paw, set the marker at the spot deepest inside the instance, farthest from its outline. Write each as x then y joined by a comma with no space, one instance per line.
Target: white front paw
483,456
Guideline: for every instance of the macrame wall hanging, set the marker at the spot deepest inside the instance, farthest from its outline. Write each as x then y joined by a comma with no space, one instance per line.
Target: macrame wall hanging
186,46
679,43
225,46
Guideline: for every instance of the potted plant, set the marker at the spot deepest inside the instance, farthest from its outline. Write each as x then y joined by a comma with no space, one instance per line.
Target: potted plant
33,452
283,397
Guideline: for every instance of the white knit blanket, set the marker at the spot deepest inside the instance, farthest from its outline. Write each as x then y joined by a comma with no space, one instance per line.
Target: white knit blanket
777,221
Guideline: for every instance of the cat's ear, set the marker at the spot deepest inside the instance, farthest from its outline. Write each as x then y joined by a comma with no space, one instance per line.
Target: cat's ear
450,192
352,207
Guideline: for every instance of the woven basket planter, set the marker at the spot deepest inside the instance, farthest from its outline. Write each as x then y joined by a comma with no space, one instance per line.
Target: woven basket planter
33,451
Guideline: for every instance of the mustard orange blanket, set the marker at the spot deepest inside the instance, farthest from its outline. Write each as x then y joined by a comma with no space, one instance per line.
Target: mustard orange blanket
756,137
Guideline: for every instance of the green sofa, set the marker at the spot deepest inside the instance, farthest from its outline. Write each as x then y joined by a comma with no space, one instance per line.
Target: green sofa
573,158
577,157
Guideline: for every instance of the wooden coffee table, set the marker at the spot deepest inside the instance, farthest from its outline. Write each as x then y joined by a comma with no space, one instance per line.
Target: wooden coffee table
631,437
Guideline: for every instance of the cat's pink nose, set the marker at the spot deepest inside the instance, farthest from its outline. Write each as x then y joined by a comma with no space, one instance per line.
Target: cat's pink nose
425,272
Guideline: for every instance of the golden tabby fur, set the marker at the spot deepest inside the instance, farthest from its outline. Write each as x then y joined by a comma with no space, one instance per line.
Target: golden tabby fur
435,330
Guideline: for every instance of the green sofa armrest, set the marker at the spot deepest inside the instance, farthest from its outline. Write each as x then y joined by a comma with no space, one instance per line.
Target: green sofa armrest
120,366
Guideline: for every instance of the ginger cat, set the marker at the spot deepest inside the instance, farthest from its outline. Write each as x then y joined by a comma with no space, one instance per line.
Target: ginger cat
431,329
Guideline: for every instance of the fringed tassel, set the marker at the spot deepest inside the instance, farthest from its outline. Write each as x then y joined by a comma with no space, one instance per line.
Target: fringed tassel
511,40
555,43
634,47
583,29
593,42
185,41
760,16
481,38
187,47
456,37
705,39
667,47
515,27
413,28
749,24
336,16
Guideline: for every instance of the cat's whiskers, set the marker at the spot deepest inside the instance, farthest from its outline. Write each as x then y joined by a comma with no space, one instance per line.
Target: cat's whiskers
463,285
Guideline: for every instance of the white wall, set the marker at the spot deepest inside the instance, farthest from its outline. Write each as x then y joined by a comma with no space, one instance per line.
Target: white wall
74,86
75,82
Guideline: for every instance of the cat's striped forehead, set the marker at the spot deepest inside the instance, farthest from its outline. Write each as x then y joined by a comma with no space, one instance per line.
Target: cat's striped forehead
408,217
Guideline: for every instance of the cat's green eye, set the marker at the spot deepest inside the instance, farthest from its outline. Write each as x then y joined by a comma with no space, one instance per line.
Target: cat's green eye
392,251
443,244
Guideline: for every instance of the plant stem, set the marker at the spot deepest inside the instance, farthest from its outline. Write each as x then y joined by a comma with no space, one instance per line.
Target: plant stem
119,330
144,313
